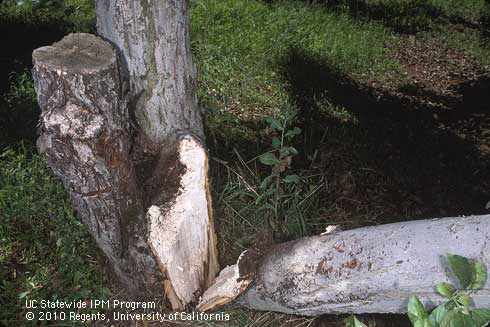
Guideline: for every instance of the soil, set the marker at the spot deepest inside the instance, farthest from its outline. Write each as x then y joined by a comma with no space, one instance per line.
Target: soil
417,149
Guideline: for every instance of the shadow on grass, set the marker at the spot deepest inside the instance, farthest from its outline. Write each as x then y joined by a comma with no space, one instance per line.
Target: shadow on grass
404,17
21,34
398,137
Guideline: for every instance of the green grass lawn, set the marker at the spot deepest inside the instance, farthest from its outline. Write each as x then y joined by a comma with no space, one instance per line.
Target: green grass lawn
240,47
45,252
256,59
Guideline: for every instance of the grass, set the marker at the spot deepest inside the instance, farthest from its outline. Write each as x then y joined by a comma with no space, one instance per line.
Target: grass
256,59
240,45
45,252
18,110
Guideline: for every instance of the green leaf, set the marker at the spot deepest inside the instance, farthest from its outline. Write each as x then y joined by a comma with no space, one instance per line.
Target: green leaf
292,179
292,132
416,310
462,320
269,159
23,294
437,315
464,299
352,321
445,289
265,182
289,150
461,268
423,323
448,317
274,123
479,275
481,317
276,143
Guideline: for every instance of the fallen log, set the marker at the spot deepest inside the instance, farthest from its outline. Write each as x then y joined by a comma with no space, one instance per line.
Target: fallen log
366,270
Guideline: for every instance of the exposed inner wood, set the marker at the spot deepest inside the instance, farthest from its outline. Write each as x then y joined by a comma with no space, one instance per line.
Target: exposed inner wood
229,284
366,270
181,232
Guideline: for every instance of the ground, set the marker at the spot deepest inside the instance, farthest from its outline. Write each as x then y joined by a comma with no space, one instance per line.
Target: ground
391,99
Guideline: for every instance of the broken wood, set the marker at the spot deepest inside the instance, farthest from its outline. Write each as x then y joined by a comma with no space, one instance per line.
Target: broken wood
147,205
366,270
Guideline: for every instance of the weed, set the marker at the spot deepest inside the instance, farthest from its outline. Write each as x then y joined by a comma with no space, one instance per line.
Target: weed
458,310
273,196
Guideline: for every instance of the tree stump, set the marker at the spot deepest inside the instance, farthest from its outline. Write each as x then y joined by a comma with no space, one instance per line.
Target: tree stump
147,206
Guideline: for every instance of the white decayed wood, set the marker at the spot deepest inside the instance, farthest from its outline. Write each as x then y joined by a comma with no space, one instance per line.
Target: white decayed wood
370,269
181,233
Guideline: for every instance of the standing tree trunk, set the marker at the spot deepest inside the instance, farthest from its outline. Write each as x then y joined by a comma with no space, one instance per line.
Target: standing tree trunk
121,127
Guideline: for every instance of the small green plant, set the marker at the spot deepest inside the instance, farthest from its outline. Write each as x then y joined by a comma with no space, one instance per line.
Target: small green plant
458,310
265,193
279,192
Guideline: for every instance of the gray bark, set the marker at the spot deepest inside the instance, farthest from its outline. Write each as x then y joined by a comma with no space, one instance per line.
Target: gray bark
153,38
371,269
148,208
85,136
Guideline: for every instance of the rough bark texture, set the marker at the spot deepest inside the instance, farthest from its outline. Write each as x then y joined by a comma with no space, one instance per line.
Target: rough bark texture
371,269
153,39
86,114
84,133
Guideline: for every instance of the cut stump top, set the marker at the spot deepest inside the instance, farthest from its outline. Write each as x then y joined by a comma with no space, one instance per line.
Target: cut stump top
76,53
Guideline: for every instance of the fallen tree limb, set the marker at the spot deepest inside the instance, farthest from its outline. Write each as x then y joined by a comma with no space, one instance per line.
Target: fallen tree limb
364,270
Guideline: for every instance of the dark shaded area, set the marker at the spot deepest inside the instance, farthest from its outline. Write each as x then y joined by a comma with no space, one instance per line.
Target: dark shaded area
475,96
397,136
21,35
19,112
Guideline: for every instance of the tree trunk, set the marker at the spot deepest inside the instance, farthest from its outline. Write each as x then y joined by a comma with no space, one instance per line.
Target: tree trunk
84,132
153,39
140,185
371,269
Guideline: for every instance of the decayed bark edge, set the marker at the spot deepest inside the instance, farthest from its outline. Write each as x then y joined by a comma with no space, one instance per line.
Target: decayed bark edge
365,270
181,233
